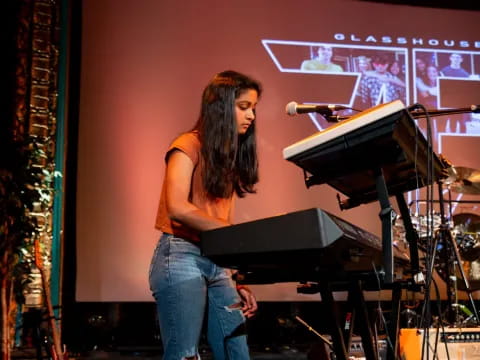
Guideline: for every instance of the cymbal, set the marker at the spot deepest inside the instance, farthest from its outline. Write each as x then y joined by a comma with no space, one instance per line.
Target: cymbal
463,180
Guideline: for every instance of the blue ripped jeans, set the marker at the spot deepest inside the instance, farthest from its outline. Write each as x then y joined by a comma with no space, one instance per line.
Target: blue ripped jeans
187,286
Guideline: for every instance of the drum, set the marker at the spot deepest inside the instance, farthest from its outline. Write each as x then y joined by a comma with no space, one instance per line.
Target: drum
421,224
465,231
466,234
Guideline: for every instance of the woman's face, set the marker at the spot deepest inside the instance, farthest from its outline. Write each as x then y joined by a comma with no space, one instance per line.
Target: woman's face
395,68
432,73
420,64
362,65
245,110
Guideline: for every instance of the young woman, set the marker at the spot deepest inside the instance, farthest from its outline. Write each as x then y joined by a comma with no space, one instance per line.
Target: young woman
206,168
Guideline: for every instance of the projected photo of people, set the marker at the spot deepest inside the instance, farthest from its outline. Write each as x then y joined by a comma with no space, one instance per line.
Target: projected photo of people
397,70
382,84
454,68
355,76
430,93
426,84
382,75
382,72
446,79
321,60
420,73
363,64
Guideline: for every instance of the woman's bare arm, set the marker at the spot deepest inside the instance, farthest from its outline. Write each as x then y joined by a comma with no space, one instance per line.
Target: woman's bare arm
178,181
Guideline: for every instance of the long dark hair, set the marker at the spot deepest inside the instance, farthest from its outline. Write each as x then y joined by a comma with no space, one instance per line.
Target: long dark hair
229,160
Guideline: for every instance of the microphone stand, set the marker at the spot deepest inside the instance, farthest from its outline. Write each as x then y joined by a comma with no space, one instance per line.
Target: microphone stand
335,118
415,113
328,115
452,260
436,112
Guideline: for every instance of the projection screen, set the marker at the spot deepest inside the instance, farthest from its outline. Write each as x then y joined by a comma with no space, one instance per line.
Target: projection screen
144,65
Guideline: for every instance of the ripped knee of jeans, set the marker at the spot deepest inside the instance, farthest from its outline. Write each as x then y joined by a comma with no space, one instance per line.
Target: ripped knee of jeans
236,306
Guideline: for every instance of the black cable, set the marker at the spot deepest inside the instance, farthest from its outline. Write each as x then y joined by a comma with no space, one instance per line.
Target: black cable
431,244
428,238
440,317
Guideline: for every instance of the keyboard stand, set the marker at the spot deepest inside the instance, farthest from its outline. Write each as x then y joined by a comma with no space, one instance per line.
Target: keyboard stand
357,308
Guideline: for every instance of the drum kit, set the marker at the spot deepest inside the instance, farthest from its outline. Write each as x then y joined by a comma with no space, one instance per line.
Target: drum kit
464,228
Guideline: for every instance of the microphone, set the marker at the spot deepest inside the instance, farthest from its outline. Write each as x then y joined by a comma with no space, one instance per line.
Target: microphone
293,108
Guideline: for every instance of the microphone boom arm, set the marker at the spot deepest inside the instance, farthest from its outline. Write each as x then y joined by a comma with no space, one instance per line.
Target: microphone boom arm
436,112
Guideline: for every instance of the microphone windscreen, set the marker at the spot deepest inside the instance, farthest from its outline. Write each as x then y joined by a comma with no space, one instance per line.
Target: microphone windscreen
291,108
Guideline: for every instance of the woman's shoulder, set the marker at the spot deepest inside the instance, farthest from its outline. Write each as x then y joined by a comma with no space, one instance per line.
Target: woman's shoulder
189,138
189,143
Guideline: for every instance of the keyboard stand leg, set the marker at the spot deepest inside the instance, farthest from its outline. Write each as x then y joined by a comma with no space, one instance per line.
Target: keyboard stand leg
387,216
349,319
393,331
333,322
368,340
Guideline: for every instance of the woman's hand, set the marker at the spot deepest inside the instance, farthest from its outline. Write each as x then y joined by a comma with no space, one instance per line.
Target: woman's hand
249,302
